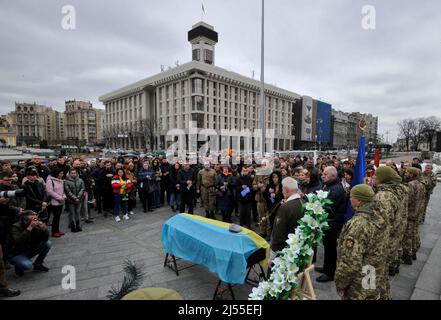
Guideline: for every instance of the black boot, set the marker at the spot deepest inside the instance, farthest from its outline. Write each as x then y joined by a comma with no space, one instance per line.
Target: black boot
397,270
414,257
407,260
72,227
77,227
392,271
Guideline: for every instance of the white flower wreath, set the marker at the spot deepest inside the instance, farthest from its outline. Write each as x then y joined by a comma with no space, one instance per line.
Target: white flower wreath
293,259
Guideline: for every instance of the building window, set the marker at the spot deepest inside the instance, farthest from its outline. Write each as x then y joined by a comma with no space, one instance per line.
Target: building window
196,55
197,103
208,56
197,86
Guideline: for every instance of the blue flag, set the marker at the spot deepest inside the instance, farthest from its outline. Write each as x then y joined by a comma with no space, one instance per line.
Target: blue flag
359,173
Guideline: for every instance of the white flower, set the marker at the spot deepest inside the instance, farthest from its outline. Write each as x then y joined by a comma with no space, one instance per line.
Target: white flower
309,206
322,195
310,197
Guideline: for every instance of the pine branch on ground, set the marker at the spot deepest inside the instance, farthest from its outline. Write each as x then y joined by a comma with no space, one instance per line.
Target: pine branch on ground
133,279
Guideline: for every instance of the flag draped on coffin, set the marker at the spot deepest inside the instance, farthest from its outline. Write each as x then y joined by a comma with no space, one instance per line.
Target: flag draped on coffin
359,173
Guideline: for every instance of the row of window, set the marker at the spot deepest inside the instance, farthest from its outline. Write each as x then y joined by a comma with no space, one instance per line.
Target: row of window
124,103
218,122
221,91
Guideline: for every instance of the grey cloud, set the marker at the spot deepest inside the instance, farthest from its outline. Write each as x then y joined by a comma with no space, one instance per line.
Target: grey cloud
315,48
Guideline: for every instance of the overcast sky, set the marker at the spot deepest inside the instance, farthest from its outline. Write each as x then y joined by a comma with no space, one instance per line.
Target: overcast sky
315,47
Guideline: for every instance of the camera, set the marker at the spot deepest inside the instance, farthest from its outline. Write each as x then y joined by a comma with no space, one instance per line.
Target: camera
12,194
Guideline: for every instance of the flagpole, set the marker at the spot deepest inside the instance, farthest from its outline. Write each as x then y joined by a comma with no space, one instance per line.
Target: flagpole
262,84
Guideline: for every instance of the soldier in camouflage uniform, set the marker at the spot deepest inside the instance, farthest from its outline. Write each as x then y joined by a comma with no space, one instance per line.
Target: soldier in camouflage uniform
416,203
398,230
429,179
361,249
260,182
206,187
386,205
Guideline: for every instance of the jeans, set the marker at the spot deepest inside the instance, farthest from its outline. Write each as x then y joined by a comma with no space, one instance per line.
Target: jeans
120,205
175,199
74,211
24,262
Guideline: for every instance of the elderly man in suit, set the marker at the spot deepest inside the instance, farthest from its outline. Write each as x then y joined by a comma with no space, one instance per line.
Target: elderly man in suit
287,217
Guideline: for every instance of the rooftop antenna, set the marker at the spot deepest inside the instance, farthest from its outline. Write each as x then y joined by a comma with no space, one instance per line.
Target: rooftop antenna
202,12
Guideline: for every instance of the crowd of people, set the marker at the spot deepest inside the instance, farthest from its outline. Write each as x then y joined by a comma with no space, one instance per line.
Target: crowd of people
267,197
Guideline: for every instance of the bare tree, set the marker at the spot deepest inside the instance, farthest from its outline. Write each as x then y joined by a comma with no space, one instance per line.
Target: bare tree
406,130
431,126
147,128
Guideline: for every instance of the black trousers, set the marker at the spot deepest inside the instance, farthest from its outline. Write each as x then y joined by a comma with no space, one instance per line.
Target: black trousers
245,209
330,244
146,199
187,200
165,186
99,200
108,199
56,212
226,216
254,207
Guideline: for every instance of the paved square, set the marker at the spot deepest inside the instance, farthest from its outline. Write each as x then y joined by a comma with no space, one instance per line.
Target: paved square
99,251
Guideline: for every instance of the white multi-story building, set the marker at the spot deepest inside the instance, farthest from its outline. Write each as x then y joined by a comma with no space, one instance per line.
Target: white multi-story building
140,115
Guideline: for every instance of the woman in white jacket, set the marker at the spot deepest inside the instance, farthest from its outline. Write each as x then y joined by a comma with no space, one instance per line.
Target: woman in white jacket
55,189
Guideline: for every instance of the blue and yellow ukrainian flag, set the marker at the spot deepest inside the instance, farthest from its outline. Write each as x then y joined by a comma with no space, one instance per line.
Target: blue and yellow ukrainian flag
209,243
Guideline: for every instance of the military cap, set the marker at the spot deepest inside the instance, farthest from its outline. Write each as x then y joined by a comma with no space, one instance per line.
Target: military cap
414,171
363,192
385,175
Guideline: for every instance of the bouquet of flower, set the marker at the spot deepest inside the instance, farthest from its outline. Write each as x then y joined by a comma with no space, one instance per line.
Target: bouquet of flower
296,257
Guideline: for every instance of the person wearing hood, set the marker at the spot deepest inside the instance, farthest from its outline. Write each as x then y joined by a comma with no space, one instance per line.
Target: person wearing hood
387,205
74,188
55,190
416,200
362,242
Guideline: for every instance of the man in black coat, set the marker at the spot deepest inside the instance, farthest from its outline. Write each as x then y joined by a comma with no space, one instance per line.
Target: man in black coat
104,184
165,181
187,180
336,220
36,196
245,196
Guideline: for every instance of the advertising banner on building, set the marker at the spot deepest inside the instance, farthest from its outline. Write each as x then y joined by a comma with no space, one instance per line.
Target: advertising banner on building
307,119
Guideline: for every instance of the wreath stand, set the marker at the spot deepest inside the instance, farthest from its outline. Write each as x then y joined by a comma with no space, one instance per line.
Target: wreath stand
306,290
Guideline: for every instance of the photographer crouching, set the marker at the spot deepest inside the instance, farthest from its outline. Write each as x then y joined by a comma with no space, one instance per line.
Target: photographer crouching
29,238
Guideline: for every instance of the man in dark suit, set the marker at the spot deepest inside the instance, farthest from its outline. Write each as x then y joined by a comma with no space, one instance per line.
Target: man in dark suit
287,216
336,220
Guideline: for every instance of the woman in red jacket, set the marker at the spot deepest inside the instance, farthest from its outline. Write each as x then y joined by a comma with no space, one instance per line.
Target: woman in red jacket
121,188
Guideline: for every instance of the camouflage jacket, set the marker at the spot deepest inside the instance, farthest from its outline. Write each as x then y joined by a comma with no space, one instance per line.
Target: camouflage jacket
416,199
401,191
387,203
429,181
361,249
